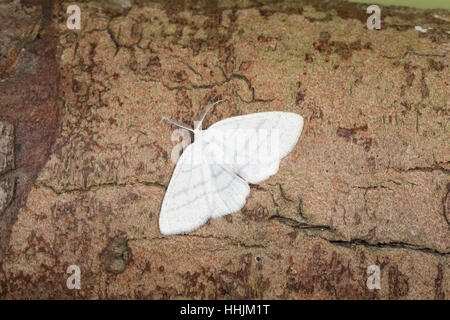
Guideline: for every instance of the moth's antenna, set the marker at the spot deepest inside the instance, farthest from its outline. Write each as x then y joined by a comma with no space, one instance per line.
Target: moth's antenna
208,107
177,124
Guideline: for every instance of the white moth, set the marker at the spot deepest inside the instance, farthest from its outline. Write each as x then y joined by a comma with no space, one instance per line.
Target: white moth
212,176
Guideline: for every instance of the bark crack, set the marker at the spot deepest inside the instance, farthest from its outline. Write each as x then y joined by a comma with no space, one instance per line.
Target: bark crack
94,187
388,245
357,241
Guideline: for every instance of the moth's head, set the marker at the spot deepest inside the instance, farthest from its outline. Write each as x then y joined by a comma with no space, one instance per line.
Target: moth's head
197,124
197,133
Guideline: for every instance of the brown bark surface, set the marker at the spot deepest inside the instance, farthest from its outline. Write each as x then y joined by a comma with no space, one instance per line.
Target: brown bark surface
85,157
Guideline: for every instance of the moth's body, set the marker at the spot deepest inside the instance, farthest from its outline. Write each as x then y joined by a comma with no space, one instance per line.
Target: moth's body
212,174
197,134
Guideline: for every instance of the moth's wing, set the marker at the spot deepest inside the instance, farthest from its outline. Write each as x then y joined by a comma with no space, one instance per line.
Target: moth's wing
253,145
199,190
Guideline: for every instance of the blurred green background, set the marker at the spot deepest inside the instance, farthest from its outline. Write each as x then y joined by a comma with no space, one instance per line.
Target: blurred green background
423,4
